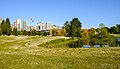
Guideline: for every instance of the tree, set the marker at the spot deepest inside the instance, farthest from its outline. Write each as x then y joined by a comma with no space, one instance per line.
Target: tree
3,27
15,32
67,28
101,25
8,27
75,27
113,30
103,36
92,32
107,29
58,32
91,35
85,37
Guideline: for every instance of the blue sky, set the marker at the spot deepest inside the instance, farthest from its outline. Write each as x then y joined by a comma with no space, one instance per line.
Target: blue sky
90,12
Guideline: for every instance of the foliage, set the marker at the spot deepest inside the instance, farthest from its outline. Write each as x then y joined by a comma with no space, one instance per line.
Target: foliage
104,37
39,33
25,32
101,25
92,32
58,43
76,43
20,32
46,33
2,27
63,43
115,29
67,28
58,32
8,27
33,32
73,29
85,37
5,27
15,32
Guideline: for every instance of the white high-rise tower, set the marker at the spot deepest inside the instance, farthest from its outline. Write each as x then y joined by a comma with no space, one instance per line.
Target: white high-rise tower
18,22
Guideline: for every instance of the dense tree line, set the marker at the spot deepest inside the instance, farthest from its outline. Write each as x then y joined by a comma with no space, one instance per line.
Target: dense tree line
5,27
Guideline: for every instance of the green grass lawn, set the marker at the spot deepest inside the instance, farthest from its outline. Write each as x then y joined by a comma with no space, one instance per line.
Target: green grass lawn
15,55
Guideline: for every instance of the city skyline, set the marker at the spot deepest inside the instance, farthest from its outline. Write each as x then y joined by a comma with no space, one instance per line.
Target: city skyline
90,12
40,26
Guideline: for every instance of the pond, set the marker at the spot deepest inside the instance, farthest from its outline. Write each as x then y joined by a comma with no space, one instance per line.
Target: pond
86,46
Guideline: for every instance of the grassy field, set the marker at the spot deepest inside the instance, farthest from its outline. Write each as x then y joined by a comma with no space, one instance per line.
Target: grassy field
15,53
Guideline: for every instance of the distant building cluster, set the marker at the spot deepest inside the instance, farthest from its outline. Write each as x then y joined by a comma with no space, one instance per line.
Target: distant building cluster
41,27
23,25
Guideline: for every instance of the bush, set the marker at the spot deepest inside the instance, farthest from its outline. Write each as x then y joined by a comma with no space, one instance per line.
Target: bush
46,33
39,33
76,44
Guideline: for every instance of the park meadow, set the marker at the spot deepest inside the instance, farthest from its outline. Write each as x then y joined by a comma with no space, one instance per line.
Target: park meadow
14,54
68,48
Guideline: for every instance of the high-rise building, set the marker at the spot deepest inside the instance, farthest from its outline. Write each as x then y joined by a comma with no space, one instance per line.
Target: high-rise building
17,24
14,25
1,20
25,25
48,26
40,26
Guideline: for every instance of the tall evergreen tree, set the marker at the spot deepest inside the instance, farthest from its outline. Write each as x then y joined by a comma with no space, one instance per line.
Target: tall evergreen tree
8,27
3,27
